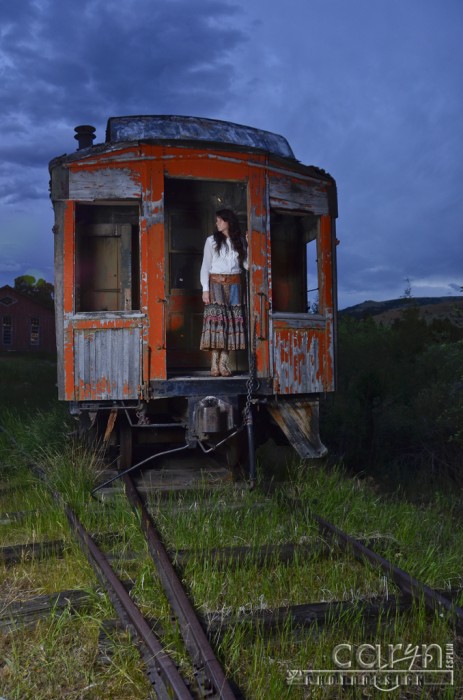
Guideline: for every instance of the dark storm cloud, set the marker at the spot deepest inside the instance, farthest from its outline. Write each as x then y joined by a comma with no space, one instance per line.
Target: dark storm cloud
369,91
63,59
64,63
389,131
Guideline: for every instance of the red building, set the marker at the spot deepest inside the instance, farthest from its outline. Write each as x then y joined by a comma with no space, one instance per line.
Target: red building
26,325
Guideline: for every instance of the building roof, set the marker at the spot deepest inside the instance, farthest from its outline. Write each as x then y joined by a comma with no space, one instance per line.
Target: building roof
9,295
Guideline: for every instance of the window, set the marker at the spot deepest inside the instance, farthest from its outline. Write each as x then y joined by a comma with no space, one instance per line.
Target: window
7,301
294,262
7,330
35,331
107,257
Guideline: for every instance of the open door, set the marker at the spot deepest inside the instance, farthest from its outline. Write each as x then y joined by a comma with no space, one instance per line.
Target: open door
190,207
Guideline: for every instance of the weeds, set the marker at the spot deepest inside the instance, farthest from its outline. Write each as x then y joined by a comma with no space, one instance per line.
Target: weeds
63,655
61,658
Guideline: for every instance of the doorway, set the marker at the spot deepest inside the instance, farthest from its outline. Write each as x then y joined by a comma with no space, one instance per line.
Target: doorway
190,207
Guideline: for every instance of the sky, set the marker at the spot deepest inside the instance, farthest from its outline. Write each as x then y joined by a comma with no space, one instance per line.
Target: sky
369,90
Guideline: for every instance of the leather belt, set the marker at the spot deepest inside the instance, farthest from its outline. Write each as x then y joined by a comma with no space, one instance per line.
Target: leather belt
225,279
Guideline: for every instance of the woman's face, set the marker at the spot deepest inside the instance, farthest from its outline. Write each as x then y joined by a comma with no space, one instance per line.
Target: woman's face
221,225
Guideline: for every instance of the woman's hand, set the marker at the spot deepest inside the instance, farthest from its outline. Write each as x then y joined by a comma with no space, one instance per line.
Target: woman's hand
206,298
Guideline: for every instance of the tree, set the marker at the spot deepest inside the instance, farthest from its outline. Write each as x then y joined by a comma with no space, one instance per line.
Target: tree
408,290
40,290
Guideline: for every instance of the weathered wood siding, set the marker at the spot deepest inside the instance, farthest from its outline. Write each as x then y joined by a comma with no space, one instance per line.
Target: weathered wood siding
302,364
107,363
290,194
117,361
104,183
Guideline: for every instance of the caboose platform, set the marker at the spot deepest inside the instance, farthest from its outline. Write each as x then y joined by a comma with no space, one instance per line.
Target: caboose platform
191,384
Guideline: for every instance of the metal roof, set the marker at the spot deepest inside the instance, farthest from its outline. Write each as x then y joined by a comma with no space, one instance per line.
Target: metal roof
178,128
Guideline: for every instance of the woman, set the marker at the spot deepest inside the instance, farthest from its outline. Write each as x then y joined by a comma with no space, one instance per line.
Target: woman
223,261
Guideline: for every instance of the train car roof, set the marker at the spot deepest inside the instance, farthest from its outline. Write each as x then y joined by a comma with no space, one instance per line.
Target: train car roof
180,128
188,131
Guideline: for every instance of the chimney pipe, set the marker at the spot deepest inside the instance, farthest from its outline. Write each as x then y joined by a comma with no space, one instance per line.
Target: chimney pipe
84,135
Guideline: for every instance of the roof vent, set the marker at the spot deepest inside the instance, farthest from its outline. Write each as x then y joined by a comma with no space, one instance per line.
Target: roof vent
85,135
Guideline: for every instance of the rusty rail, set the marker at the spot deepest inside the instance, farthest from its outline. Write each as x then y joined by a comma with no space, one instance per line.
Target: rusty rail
407,584
195,638
163,673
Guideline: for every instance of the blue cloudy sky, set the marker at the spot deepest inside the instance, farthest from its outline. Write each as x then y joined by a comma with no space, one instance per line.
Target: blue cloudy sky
369,90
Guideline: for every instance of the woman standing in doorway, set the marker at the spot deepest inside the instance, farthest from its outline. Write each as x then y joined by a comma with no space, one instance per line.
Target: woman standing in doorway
223,261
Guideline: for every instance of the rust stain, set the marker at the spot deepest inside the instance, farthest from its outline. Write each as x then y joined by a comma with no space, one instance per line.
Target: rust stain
302,363
301,359
153,263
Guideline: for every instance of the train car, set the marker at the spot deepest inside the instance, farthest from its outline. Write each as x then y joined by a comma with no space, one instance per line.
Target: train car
131,218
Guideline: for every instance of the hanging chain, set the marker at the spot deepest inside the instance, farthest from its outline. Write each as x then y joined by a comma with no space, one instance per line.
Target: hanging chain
251,378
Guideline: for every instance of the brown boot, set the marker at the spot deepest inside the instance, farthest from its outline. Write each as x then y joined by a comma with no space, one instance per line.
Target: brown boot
223,364
215,364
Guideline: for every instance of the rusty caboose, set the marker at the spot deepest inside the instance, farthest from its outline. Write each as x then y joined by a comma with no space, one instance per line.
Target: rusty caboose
131,218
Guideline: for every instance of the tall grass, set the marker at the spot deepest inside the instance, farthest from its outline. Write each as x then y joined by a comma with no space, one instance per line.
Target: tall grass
425,540
415,538
61,656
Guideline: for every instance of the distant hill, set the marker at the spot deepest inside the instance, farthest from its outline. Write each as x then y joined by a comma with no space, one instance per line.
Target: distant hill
430,308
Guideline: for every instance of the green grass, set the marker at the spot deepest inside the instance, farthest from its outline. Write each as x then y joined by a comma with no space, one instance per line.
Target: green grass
258,661
418,539
60,657
27,382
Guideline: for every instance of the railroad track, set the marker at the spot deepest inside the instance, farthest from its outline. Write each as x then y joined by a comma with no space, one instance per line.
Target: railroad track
197,630
209,678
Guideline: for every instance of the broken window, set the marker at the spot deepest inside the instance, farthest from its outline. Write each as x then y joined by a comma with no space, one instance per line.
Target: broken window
295,279
107,257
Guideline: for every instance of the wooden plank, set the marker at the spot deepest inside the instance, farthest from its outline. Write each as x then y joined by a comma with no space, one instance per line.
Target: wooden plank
104,183
309,614
289,194
24,613
298,420
14,554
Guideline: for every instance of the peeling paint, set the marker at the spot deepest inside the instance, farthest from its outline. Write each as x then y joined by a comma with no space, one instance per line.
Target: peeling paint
107,363
153,211
291,194
297,351
104,183
301,362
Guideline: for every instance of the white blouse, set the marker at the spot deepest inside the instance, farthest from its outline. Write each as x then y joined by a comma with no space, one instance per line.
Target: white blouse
224,263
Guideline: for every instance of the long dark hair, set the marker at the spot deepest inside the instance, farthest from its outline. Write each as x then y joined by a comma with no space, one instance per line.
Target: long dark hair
234,232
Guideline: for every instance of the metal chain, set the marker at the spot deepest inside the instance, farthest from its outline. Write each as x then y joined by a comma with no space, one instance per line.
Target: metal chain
251,378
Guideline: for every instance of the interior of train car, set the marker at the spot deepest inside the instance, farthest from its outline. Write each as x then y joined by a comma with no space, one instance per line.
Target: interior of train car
190,207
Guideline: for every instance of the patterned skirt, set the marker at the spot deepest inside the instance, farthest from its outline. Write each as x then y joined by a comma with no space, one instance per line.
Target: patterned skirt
223,323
